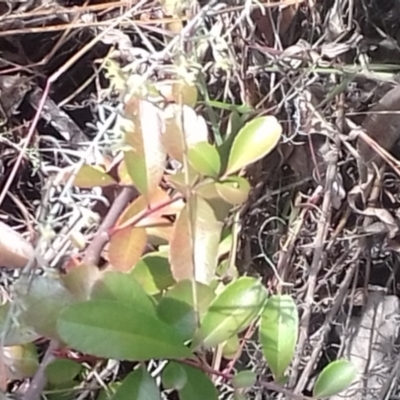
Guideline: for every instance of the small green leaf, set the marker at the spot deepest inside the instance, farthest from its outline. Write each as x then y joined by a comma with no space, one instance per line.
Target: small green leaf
153,272
278,332
233,190
138,385
253,142
233,310
125,289
174,376
231,348
22,361
198,386
244,379
62,371
335,377
204,159
113,330
90,176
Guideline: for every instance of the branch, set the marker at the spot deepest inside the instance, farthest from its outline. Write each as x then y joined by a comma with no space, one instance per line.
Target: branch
93,252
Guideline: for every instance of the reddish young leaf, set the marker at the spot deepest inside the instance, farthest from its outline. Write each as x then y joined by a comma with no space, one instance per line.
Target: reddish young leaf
126,247
146,161
148,212
193,252
182,126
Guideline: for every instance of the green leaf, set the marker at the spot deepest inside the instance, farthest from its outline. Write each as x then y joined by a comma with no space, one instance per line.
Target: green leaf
112,330
90,176
231,348
22,361
244,379
198,386
335,377
253,142
233,310
125,289
80,279
153,272
62,371
138,385
278,332
234,190
204,159
174,376
242,108
177,309
42,299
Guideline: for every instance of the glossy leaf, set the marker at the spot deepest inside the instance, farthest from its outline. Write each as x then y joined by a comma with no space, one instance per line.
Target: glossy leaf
174,376
153,273
199,244
138,385
335,377
233,310
126,247
42,299
90,176
253,142
198,385
125,289
112,330
183,129
204,159
61,371
244,379
278,332
178,310
146,161
234,190
21,361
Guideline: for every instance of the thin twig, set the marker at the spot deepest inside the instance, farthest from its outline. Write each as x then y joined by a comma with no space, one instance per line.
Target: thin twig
322,231
39,380
92,254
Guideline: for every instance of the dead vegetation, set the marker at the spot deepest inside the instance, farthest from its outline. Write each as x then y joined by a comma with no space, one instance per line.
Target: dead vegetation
322,220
